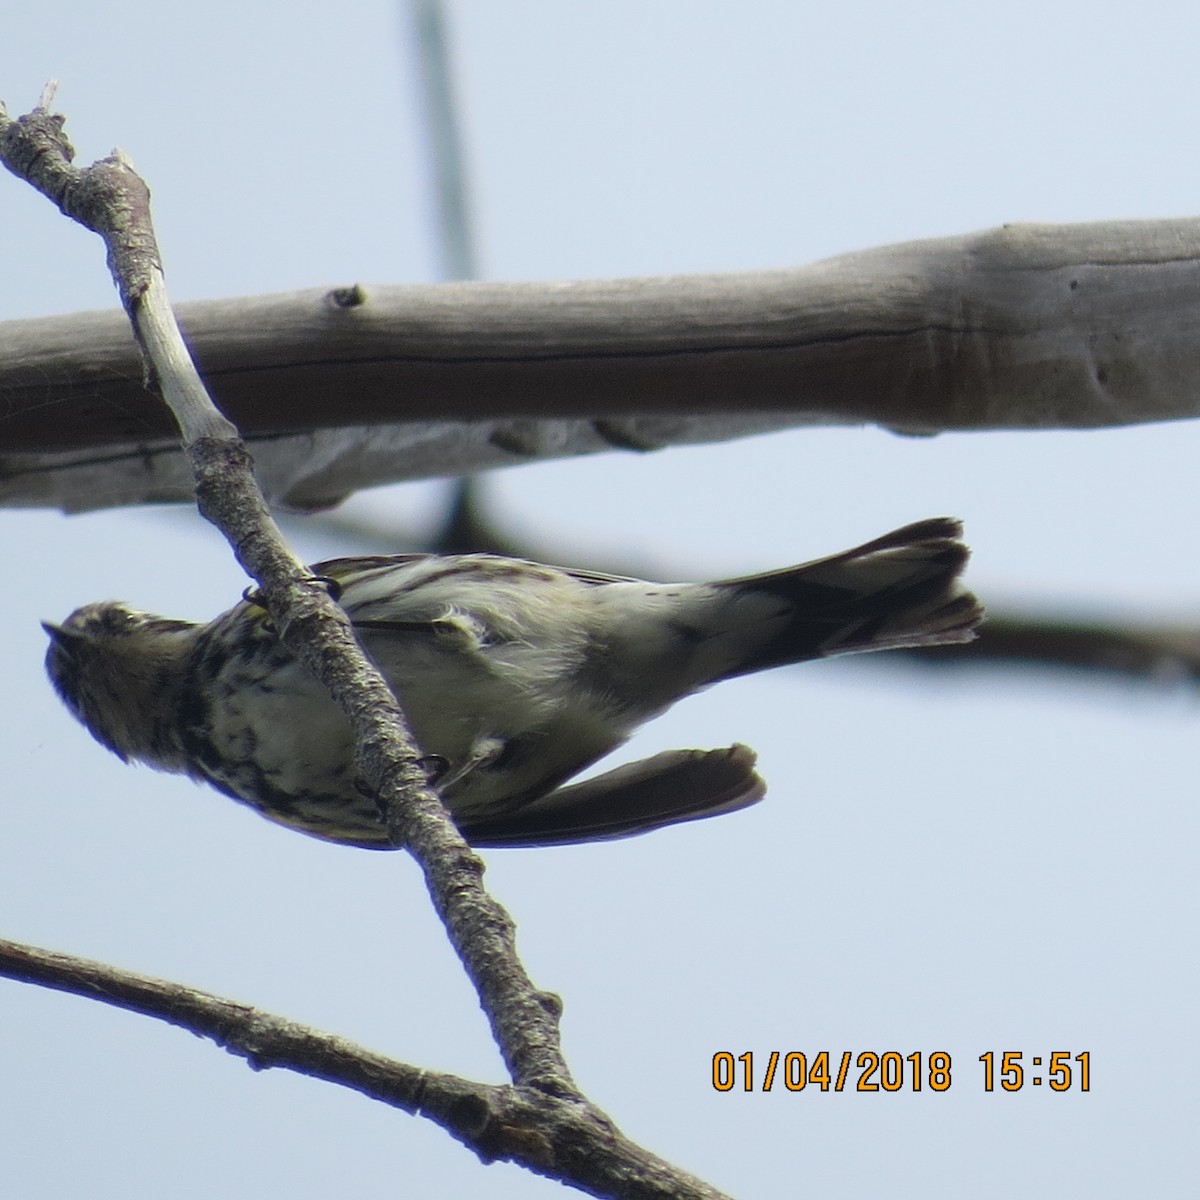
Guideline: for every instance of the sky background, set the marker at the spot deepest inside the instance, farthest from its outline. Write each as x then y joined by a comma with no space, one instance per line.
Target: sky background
970,863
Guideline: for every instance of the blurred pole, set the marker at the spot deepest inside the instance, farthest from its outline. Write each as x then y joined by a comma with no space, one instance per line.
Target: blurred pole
465,529
443,132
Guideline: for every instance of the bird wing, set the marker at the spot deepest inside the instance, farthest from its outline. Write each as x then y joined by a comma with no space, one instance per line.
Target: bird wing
675,786
334,568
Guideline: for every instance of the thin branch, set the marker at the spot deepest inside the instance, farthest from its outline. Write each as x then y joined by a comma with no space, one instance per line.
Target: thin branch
560,1132
110,199
563,1140
1158,654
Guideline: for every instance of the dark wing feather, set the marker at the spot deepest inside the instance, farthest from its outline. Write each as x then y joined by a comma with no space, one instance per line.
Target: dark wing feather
333,567
669,788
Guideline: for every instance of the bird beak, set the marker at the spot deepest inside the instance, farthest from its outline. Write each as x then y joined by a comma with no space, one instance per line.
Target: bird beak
60,633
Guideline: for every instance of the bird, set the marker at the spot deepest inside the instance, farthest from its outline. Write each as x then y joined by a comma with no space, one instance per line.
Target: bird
514,677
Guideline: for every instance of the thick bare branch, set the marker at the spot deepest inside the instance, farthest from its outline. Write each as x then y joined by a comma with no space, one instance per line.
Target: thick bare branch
1027,326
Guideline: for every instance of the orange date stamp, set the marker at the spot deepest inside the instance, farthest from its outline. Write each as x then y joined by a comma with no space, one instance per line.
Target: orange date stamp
892,1071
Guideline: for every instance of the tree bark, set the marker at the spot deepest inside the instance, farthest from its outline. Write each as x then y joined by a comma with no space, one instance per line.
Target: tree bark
1022,327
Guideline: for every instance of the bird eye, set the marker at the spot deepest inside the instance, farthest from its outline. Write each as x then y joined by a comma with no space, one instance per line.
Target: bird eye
117,620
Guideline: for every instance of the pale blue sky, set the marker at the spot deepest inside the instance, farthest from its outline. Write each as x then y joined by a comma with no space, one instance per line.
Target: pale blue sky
986,863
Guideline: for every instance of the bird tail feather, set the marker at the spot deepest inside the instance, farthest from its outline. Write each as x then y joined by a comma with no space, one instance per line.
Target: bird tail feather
902,589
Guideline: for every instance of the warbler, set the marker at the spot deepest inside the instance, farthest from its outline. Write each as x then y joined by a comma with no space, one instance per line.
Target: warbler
514,677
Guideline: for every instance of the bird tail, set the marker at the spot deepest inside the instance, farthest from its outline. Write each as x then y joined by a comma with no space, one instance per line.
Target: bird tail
902,589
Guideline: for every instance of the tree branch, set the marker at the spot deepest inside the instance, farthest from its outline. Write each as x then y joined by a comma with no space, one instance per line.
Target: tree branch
567,1141
543,1122
1022,327
110,199
1158,654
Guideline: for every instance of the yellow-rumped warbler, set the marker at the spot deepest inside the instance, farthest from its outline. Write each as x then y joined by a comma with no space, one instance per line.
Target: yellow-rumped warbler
514,677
